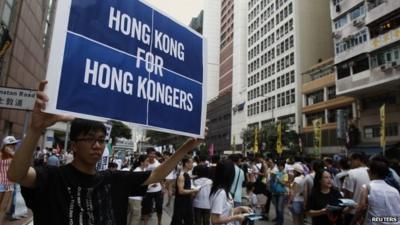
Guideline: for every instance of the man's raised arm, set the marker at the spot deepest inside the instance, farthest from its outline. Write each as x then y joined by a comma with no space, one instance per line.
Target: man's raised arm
20,170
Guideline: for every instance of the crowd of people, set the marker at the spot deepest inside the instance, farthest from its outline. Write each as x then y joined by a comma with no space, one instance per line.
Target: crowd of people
208,190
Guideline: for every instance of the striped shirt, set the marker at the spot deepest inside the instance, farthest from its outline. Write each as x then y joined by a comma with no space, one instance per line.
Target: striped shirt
4,165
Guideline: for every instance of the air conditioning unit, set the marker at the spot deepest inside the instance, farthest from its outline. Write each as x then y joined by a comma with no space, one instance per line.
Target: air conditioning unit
337,34
359,22
386,67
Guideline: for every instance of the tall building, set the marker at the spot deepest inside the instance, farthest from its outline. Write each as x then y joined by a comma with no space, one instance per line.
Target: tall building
367,59
226,109
285,38
24,63
320,101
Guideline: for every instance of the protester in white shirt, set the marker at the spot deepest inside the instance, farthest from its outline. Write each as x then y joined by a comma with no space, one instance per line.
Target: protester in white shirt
201,202
296,202
135,202
154,191
221,201
378,198
358,176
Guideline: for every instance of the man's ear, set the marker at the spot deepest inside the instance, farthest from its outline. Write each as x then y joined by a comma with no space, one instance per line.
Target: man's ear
73,146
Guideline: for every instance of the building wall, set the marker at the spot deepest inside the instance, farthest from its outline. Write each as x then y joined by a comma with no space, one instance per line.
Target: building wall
25,62
378,81
226,46
312,41
211,33
239,80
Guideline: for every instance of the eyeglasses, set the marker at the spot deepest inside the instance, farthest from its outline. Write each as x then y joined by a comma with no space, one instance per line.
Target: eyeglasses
92,140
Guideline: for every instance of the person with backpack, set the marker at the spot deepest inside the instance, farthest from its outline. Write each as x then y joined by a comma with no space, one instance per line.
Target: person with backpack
279,182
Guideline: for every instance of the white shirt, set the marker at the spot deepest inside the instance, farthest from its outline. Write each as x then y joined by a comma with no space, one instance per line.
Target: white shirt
337,179
157,187
300,181
383,200
222,205
139,198
356,179
202,199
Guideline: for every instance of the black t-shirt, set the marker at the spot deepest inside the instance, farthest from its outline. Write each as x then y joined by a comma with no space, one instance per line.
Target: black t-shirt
66,196
319,200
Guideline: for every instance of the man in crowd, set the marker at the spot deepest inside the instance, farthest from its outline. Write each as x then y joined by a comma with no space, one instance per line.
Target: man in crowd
76,193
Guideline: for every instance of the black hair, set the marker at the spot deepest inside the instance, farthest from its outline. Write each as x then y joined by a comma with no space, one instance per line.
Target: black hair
224,176
215,159
185,160
281,163
202,158
317,165
328,160
203,171
378,168
84,127
358,156
344,163
150,150
249,186
234,157
167,153
317,180
112,165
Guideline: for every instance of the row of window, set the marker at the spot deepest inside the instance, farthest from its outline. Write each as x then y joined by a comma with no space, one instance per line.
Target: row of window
386,56
318,96
285,79
268,104
268,87
254,12
267,13
391,130
282,99
355,13
268,26
279,3
285,62
352,41
285,45
268,41
268,56
284,13
284,29
265,73
286,98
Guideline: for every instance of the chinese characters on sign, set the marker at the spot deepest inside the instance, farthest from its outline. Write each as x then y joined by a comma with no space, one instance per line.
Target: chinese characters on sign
13,98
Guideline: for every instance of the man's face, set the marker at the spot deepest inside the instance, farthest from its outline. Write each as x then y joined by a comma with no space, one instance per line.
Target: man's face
89,147
152,156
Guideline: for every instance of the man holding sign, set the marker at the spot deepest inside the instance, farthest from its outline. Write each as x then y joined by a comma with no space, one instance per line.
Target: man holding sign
76,193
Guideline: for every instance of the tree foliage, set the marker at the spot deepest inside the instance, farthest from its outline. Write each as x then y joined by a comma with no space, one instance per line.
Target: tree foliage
120,130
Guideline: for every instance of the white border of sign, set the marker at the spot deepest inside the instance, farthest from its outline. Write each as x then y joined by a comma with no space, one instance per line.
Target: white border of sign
56,58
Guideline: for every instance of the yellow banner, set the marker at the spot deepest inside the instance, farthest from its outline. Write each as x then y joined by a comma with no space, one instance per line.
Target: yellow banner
255,148
383,133
317,136
279,148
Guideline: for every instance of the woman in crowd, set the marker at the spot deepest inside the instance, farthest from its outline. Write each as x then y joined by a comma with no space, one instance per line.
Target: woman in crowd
296,200
135,202
183,212
279,183
221,201
322,196
6,186
201,203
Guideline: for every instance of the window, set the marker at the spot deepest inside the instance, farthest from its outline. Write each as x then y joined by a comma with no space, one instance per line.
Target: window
360,65
7,12
331,92
374,131
292,96
315,97
313,116
343,70
292,76
341,21
357,12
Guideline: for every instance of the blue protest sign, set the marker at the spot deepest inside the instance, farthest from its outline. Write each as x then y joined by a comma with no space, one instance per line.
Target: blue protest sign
124,60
